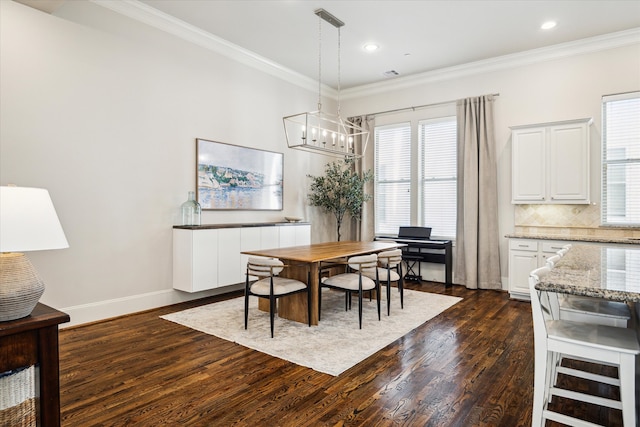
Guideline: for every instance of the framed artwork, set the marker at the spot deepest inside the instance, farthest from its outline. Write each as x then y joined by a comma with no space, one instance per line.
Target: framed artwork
231,177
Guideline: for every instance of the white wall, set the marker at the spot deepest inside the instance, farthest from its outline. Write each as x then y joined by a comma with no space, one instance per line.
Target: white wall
547,91
103,111
104,114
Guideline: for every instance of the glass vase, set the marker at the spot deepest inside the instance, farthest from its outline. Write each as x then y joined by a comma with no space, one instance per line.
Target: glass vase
191,210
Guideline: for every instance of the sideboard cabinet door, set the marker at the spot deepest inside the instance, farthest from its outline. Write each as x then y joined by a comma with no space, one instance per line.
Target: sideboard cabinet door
195,254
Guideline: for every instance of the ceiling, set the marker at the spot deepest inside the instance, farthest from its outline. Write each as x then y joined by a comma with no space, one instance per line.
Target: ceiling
413,36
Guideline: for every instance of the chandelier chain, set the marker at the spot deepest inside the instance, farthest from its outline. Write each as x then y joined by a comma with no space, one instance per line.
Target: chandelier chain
339,55
319,63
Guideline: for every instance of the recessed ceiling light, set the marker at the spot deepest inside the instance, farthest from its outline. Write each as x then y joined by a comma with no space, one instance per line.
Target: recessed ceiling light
548,25
371,47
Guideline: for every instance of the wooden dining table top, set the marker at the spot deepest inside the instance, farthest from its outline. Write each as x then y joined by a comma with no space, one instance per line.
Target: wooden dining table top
318,252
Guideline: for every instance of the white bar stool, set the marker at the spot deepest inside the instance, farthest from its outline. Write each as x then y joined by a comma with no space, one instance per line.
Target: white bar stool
555,339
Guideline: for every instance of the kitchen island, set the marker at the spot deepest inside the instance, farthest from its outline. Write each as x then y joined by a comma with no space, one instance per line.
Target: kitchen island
607,272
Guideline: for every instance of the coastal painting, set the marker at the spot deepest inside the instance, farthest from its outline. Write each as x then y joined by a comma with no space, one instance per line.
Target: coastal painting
231,177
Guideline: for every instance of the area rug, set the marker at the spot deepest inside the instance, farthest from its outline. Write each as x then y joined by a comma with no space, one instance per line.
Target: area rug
335,344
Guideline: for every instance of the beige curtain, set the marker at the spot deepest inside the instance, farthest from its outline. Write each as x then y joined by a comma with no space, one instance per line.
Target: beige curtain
364,229
477,254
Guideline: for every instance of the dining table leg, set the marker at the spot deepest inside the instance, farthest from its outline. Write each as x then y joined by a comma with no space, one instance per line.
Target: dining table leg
294,307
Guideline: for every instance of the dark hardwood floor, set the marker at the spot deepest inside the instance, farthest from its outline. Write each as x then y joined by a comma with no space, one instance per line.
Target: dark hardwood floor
470,366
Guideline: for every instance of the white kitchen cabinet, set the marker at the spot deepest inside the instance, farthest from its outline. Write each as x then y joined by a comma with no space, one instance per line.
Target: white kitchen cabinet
209,257
523,258
550,163
525,255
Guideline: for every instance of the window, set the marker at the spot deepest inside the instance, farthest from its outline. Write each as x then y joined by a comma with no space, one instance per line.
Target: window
621,159
415,175
438,148
392,177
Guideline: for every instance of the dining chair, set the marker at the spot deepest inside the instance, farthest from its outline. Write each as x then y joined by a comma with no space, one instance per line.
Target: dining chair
354,280
389,270
556,339
270,286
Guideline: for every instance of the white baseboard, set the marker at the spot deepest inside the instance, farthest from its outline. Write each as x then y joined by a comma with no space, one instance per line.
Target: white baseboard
102,310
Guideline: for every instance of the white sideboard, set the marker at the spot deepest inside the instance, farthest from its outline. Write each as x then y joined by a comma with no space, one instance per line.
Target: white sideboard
550,163
208,256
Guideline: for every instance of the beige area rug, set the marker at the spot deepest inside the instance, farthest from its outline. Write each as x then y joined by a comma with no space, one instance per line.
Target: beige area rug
333,346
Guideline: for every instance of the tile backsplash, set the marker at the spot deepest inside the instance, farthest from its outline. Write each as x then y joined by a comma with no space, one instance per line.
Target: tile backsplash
566,221
557,215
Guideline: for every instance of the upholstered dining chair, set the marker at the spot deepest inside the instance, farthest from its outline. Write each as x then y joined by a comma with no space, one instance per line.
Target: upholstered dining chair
270,286
556,339
354,280
389,270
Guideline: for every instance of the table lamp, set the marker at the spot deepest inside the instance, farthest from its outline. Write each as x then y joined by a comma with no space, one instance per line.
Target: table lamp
28,222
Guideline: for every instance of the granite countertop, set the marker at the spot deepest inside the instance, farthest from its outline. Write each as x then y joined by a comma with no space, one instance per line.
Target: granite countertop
595,271
592,239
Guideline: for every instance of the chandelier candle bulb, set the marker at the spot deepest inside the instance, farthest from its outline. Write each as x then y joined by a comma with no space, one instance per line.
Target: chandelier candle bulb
322,121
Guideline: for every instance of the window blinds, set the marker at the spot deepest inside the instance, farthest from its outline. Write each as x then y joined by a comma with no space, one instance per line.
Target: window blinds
438,149
392,177
621,159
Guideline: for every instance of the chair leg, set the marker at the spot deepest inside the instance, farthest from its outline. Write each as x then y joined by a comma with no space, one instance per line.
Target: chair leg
360,301
626,372
388,291
378,297
539,387
272,309
401,286
246,303
319,301
309,298
360,308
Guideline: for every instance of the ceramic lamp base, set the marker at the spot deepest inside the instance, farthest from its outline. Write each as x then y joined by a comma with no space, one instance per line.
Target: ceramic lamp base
20,286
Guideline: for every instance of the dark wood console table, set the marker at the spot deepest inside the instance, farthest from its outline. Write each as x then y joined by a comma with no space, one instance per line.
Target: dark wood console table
33,340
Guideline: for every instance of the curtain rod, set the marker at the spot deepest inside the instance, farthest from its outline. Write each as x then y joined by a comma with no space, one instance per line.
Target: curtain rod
397,110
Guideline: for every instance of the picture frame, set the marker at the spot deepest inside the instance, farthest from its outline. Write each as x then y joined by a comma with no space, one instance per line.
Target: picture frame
232,177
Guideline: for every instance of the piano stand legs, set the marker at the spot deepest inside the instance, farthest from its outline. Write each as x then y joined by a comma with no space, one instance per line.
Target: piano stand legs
411,263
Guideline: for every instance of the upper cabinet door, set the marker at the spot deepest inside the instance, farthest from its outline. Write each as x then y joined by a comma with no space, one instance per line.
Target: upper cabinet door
569,163
528,165
550,163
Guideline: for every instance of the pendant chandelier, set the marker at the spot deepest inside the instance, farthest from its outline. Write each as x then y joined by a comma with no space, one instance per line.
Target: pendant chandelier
321,132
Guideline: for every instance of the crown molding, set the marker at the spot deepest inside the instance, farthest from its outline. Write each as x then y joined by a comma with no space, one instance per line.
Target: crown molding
162,21
150,16
563,50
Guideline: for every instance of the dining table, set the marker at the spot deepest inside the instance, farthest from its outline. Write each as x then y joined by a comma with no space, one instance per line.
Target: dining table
600,271
304,262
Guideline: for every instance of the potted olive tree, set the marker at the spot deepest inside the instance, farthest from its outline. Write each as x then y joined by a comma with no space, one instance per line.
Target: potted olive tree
340,191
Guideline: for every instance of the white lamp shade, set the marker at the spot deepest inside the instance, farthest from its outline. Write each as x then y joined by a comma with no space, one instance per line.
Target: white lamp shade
28,221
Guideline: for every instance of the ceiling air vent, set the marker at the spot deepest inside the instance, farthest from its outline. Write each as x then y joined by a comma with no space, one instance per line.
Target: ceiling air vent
391,73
